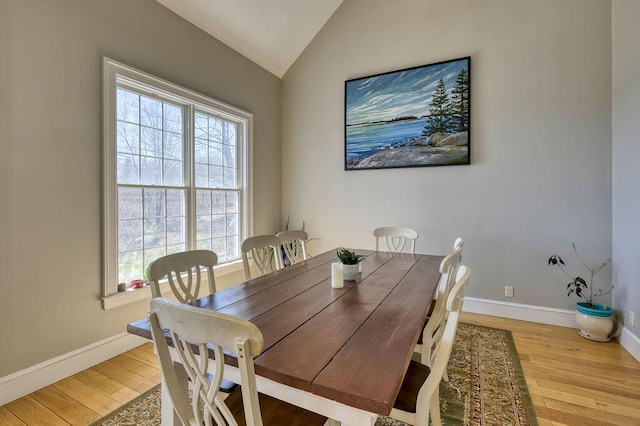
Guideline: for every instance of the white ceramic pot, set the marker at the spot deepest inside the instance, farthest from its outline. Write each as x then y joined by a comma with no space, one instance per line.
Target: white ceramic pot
350,272
594,324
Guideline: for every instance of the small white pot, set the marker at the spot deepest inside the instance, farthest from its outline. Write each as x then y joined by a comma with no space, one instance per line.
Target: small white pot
350,272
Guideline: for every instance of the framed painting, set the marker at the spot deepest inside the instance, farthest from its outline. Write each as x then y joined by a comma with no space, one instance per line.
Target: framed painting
415,117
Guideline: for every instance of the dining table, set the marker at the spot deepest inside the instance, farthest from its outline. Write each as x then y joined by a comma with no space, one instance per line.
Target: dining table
340,352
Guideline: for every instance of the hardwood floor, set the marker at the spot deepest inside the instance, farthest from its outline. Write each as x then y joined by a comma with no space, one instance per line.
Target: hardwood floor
572,381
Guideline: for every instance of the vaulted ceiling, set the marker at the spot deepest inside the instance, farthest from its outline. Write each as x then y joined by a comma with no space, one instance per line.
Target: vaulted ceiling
272,33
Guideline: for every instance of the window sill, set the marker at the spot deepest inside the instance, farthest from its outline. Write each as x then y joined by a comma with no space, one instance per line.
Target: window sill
127,297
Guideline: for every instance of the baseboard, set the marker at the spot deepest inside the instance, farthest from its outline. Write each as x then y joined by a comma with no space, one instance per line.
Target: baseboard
542,315
519,311
31,379
630,342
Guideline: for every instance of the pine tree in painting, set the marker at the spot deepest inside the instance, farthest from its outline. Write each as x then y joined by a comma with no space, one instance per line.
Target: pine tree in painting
439,110
460,102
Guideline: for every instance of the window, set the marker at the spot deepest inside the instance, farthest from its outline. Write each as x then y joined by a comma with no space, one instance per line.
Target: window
175,174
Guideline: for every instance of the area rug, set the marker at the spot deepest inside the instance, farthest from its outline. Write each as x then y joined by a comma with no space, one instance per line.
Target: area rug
486,386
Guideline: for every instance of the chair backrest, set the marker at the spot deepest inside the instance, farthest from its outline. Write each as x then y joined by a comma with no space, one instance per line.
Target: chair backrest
434,328
265,252
183,272
293,244
458,243
191,327
444,345
396,238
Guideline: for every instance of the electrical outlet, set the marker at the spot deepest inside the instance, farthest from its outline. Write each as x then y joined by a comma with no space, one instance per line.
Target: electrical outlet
632,319
508,291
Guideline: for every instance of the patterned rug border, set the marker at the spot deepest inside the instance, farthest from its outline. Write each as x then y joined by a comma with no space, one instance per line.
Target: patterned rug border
531,412
510,342
126,406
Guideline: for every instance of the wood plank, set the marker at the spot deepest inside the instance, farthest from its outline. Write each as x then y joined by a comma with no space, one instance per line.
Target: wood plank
106,385
32,412
96,401
7,418
127,378
70,409
372,382
129,363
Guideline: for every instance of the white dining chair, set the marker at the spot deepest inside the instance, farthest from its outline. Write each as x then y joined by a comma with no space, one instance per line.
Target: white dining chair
294,245
418,398
265,253
183,272
198,333
434,327
396,238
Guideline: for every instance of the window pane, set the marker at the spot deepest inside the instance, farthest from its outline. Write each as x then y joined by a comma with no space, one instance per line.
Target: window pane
175,202
201,126
218,204
154,202
215,129
129,234
128,169
172,173
230,136
203,227
201,153
172,118
176,232
233,248
215,154
150,171
232,202
215,177
202,175
203,203
129,203
127,108
218,226
151,255
229,156
130,266
229,178
218,246
128,138
173,146
204,245
176,248
150,142
154,233
150,112
232,224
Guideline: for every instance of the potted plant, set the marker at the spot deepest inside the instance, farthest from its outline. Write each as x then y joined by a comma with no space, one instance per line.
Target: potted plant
594,320
349,260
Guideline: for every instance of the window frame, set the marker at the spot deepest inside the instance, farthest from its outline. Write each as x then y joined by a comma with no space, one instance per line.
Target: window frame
116,75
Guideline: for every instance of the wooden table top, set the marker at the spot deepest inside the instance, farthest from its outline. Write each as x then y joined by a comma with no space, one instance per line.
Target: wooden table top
353,344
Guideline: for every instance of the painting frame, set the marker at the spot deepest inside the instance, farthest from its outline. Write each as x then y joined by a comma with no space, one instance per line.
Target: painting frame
383,114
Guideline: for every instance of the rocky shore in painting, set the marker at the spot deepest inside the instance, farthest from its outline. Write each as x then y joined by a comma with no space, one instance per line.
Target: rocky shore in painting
438,149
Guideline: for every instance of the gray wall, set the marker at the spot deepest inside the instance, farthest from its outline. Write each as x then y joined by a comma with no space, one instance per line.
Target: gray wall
540,176
626,152
51,155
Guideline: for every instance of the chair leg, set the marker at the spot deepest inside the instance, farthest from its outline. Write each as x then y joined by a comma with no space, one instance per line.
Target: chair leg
434,408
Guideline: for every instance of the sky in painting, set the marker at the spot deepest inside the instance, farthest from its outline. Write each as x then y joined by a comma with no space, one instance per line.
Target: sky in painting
400,93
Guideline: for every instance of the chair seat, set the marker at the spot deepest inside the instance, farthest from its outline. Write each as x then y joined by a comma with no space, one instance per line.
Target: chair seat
417,374
274,411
